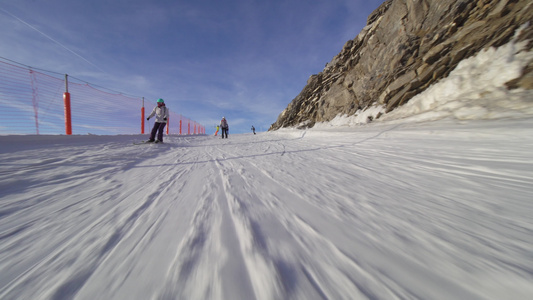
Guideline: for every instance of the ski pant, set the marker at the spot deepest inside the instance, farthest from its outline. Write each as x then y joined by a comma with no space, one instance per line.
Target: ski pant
160,127
224,132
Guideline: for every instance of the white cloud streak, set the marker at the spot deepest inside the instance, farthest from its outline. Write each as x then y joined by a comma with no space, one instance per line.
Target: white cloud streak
51,39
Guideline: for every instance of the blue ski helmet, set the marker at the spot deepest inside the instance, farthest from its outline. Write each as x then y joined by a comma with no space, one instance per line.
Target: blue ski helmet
160,101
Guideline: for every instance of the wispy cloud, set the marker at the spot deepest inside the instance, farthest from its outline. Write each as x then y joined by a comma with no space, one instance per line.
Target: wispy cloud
51,39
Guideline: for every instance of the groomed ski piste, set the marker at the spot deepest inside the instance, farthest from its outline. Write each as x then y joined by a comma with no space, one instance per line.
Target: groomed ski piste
430,201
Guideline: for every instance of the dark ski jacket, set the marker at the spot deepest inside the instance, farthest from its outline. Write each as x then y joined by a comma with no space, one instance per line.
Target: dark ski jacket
224,124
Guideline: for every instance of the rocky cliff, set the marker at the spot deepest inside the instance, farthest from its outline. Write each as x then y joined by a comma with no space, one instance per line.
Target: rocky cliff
406,46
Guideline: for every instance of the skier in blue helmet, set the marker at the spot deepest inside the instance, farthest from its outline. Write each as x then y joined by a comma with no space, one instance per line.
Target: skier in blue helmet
161,116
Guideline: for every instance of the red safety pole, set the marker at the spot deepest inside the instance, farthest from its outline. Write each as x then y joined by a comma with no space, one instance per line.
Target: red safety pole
180,126
68,113
142,118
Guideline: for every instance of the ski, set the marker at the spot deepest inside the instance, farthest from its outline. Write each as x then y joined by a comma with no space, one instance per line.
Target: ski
146,142
143,142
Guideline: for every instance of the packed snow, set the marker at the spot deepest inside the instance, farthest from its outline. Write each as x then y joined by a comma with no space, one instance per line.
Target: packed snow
431,201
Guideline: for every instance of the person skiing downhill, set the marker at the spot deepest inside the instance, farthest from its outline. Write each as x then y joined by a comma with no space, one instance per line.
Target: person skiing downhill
224,126
216,132
253,129
161,116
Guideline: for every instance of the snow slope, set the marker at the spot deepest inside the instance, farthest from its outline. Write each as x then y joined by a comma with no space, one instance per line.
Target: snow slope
433,201
432,211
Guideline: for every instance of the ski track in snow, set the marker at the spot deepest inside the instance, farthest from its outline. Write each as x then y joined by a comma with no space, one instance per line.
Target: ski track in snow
439,211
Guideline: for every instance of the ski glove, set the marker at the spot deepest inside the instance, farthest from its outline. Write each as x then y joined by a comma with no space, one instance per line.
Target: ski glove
165,119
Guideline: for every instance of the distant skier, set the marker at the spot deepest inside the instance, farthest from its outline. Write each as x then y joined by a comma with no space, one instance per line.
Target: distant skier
253,129
224,126
216,132
161,116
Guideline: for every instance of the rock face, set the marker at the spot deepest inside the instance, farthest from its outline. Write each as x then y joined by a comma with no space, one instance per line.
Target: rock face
406,46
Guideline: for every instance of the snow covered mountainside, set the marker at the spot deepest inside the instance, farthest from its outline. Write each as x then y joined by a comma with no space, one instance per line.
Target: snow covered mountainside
431,201
406,47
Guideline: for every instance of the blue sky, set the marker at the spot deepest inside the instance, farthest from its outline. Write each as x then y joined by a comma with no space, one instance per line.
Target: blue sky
242,59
